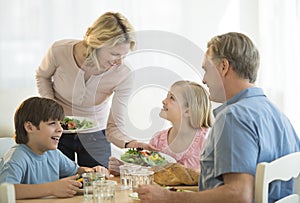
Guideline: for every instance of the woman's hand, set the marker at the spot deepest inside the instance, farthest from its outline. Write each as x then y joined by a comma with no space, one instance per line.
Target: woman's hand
136,144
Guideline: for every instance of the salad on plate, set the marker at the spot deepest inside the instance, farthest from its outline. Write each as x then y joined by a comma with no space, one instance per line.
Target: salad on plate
146,158
72,124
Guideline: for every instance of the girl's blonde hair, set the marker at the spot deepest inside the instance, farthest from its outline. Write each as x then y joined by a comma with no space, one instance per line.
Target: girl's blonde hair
108,30
198,103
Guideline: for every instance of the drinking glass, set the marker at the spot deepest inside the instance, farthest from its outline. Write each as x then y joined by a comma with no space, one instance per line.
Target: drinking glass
142,177
125,175
88,179
104,191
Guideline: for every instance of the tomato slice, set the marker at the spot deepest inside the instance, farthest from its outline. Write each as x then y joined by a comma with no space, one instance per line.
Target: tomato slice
145,153
71,125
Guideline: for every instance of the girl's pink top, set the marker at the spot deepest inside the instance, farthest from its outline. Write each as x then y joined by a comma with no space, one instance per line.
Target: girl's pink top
190,158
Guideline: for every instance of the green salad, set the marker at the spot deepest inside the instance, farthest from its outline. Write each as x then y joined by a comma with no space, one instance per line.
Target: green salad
75,124
143,158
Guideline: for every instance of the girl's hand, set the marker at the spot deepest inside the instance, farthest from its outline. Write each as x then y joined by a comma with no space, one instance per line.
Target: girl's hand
113,165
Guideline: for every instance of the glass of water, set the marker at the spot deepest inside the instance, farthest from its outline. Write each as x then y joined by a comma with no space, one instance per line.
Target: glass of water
87,185
88,179
104,191
125,175
142,177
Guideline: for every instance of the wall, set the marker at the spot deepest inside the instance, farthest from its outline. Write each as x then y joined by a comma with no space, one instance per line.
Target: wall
31,26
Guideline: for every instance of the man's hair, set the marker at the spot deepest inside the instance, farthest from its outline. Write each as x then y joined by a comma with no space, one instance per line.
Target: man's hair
239,50
35,110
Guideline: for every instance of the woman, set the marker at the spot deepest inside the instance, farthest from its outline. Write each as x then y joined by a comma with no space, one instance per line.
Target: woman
82,76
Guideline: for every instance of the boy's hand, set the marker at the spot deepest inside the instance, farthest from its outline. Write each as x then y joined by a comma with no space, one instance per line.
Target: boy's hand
65,187
102,170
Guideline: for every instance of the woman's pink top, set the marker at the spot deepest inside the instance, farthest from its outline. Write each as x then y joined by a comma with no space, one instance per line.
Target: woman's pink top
189,158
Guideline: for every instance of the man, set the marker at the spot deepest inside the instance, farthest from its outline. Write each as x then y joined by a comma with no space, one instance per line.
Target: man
248,129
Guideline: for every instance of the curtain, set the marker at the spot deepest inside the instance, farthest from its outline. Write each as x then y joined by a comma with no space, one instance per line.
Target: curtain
279,37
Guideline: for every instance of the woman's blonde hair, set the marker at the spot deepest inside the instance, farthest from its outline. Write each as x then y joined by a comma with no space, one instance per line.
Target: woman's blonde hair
198,103
108,30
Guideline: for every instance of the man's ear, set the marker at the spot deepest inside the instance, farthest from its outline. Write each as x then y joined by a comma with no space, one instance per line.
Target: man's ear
224,66
28,126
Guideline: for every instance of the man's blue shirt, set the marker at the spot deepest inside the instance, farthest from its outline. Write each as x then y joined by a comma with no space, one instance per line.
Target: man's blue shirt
248,129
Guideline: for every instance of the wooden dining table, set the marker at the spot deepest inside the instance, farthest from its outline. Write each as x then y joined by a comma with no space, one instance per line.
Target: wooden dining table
122,196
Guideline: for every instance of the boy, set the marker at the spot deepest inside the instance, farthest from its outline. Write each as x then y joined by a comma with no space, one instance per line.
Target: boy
34,165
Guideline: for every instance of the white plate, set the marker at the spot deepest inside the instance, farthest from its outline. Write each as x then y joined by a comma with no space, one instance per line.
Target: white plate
134,196
166,156
94,124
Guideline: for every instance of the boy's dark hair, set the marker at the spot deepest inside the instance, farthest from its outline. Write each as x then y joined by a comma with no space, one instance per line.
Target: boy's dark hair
35,110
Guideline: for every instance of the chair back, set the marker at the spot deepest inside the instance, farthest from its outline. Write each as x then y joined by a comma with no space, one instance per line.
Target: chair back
7,193
6,143
284,169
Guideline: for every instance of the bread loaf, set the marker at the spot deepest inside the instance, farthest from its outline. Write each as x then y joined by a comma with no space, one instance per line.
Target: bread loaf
176,174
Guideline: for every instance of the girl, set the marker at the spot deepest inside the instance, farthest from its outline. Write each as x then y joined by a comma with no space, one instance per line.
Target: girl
189,109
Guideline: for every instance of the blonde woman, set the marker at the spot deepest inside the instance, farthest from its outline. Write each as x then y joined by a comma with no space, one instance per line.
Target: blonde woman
82,75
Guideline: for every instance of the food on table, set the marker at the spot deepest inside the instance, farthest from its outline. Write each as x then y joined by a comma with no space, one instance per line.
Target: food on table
75,124
80,179
144,158
176,174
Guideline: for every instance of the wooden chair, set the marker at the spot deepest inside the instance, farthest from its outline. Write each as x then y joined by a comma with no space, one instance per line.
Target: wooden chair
7,193
284,169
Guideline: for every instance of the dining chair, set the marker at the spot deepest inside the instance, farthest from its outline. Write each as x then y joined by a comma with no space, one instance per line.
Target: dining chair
6,143
284,169
7,193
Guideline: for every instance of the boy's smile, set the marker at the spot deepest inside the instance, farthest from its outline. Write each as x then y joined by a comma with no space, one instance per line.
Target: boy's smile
44,137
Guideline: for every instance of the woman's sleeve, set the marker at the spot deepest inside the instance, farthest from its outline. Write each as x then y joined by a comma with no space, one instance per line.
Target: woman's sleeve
115,130
44,75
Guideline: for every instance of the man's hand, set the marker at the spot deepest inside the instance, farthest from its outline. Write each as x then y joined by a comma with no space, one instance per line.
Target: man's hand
153,194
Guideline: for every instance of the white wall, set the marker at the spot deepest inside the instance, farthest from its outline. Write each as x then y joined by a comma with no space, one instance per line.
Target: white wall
29,27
